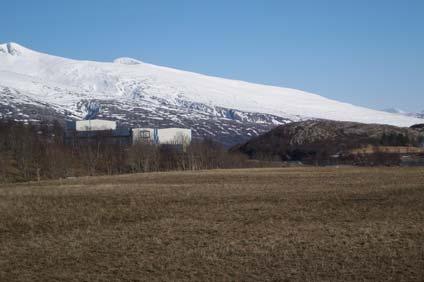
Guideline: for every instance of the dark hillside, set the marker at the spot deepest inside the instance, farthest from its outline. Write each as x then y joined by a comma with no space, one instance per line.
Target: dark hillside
418,127
321,139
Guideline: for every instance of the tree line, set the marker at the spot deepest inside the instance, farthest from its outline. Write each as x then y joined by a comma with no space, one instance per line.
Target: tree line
37,151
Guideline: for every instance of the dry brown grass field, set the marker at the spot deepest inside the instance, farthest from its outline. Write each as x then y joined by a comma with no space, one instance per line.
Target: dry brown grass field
280,224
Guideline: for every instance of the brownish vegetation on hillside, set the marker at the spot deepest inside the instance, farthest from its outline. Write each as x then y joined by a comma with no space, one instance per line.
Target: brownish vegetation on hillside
329,142
305,224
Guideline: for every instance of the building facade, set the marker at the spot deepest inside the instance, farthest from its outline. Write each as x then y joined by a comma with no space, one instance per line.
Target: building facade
108,132
177,136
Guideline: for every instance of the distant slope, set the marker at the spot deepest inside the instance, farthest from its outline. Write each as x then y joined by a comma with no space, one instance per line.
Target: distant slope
34,85
418,127
313,137
404,113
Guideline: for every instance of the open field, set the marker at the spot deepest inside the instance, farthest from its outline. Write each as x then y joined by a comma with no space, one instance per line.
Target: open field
302,224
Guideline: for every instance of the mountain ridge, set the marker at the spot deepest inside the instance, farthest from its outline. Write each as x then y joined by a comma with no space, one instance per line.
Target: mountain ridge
405,113
143,94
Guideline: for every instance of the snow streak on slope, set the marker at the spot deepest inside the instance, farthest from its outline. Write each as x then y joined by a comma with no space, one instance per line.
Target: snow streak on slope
131,90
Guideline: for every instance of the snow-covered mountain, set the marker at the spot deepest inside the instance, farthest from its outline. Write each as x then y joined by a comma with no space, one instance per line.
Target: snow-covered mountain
404,113
34,85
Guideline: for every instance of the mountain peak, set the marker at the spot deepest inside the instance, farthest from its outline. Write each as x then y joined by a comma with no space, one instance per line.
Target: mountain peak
127,61
13,49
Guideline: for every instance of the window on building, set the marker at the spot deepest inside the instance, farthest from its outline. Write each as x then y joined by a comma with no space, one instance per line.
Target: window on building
145,134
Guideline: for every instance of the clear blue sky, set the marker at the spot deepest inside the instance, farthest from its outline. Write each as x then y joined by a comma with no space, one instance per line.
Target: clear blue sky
366,52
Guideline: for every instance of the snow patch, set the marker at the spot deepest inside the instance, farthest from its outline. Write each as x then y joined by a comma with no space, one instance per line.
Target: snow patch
127,61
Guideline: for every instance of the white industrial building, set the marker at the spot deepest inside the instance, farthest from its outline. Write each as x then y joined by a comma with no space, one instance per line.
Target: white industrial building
176,136
162,135
95,125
